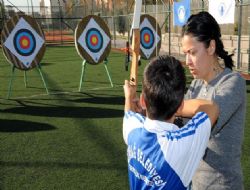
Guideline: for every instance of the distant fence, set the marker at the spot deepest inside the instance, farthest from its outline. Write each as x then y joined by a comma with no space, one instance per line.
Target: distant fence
59,23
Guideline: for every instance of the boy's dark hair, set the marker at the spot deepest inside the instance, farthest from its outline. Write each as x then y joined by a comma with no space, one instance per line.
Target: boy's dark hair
164,85
204,27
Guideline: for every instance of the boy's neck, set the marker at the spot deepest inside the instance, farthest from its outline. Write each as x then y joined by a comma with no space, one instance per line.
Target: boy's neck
171,120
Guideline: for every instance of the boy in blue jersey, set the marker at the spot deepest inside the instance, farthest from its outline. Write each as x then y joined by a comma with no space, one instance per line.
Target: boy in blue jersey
161,155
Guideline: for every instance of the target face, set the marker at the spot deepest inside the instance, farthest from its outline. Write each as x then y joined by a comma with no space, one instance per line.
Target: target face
23,42
92,39
149,37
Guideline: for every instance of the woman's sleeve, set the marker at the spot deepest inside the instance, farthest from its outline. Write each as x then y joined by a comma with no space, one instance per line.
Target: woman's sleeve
188,94
229,96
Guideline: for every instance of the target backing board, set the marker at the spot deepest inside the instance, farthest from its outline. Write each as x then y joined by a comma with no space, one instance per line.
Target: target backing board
150,37
23,42
92,39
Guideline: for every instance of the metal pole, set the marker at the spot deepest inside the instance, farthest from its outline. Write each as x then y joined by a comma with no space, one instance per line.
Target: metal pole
128,25
85,7
92,7
82,74
202,4
61,20
107,71
239,35
248,45
32,8
169,29
28,7
3,13
145,7
156,33
11,80
102,9
113,6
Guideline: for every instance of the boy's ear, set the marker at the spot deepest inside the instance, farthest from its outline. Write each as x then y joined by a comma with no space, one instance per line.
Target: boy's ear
142,102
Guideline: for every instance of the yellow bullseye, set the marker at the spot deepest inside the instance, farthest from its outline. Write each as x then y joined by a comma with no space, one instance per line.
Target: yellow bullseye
94,40
25,43
146,38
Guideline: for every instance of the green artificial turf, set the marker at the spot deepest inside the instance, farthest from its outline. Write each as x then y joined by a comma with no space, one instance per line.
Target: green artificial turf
68,139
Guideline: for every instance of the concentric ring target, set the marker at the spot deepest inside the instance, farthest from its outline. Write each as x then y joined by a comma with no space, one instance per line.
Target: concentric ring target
150,37
24,42
94,40
147,38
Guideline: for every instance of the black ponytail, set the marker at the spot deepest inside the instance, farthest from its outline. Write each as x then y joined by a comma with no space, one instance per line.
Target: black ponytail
222,53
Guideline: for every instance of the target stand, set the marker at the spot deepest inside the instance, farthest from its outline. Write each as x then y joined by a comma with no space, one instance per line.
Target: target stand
84,64
39,69
23,46
93,43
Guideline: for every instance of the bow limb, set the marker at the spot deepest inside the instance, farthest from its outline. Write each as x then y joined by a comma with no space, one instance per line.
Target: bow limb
135,42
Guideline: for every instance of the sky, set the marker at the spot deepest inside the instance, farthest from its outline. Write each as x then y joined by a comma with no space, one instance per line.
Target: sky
25,5
25,2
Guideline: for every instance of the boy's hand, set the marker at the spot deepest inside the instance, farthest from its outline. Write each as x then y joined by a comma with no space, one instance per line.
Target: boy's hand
130,96
137,106
129,90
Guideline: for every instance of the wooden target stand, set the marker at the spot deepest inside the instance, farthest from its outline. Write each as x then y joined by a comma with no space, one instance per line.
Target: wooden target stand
23,46
93,44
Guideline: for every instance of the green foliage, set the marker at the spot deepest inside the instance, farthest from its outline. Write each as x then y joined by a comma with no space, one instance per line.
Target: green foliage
121,23
236,28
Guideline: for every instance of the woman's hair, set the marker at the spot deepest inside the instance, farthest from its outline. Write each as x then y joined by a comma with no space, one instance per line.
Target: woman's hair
163,86
204,27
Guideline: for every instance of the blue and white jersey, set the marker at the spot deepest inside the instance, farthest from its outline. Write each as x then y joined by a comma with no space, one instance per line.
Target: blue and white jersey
161,155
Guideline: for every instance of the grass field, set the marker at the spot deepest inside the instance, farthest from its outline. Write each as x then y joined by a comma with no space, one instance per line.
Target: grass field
68,139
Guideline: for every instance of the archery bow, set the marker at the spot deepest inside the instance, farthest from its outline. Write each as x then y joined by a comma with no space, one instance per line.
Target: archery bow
135,42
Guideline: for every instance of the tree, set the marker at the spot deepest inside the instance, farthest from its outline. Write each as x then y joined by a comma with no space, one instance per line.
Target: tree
121,23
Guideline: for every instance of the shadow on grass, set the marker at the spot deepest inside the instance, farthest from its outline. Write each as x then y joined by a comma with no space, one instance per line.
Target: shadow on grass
46,63
23,126
66,111
101,100
85,165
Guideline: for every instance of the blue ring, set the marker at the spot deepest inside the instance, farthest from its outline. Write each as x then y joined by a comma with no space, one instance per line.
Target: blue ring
20,33
151,42
98,47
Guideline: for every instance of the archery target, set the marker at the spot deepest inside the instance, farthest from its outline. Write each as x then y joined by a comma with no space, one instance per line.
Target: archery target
150,37
147,38
23,42
92,39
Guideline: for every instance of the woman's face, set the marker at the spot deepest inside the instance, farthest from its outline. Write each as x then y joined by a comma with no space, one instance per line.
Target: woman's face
198,57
